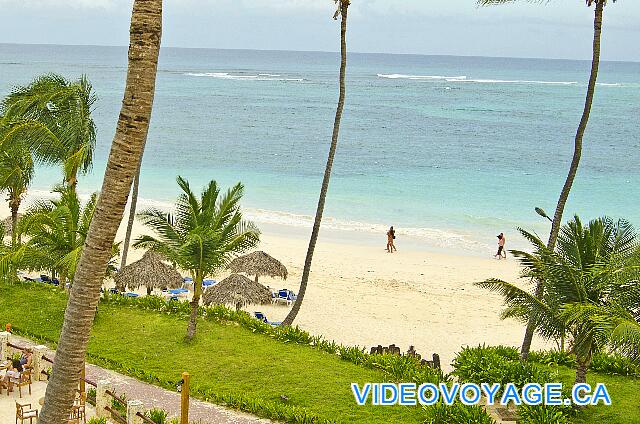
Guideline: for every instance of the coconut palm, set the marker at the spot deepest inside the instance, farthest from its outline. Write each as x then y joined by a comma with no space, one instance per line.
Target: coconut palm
202,237
16,173
591,291
126,149
55,231
132,217
54,114
342,11
577,152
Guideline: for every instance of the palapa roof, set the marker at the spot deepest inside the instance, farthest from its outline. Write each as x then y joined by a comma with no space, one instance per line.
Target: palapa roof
237,289
259,263
149,271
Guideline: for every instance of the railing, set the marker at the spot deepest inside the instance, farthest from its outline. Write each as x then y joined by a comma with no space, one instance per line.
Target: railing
15,346
145,418
116,415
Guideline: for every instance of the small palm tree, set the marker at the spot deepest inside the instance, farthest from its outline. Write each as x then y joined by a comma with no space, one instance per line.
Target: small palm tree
342,12
56,232
577,152
16,173
202,237
591,290
54,114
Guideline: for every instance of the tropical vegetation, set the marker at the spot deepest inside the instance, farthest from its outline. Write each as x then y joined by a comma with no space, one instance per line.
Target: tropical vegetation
54,232
125,154
202,237
342,12
591,293
556,222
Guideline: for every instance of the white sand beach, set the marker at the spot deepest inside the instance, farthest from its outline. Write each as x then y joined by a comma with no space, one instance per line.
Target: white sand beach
361,295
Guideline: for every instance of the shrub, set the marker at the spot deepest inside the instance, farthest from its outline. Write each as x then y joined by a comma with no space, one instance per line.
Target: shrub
553,357
96,420
484,364
457,413
158,416
543,414
614,364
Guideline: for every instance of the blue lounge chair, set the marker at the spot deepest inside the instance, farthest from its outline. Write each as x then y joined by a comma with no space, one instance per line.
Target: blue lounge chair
262,317
114,290
45,278
131,294
286,295
187,279
55,281
209,283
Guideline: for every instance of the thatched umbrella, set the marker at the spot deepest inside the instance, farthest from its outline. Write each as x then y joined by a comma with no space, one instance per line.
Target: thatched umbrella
150,272
237,290
259,263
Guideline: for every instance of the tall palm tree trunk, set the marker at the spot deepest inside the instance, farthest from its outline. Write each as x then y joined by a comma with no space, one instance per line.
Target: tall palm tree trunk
344,6
195,303
14,206
132,216
126,149
573,169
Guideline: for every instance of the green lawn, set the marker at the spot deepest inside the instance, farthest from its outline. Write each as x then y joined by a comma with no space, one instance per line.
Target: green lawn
224,357
625,398
227,359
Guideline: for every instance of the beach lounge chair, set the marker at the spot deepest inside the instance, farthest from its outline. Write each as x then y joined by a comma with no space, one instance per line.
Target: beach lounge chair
209,283
45,278
114,290
262,317
131,294
287,296
25,412
55,281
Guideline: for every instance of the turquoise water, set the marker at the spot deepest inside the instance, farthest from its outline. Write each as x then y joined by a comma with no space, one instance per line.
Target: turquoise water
448,149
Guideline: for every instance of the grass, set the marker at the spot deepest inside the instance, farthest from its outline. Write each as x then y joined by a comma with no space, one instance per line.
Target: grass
224,360
231,364
625,408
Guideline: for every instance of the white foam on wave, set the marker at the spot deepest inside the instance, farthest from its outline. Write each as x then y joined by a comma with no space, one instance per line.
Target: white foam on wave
422,77
228,76
496,81
470,80
429,236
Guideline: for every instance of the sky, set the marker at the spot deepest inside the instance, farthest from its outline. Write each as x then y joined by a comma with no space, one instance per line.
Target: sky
554,29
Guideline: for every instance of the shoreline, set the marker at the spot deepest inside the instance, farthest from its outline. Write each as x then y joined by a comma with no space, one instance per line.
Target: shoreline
359,295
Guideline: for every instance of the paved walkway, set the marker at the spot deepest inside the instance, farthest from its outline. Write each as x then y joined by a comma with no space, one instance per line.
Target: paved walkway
157,397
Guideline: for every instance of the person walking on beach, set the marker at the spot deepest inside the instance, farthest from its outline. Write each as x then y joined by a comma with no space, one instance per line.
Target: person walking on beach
391,235
502,254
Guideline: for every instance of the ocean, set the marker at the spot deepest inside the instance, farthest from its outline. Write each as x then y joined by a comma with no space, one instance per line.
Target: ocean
450,150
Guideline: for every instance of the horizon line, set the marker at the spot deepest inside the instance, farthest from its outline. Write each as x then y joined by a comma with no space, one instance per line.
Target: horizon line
327,52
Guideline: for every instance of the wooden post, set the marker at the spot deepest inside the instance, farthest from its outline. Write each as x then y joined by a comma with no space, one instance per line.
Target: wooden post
184,410
82,382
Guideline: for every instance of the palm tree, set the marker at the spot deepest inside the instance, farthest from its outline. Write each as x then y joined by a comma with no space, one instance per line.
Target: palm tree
343,6
577,151
203,236
56,231
132,217
126,149
591,290
55,114
16,173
